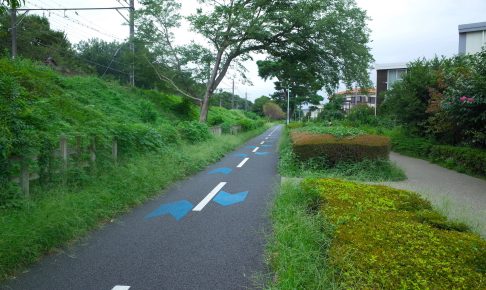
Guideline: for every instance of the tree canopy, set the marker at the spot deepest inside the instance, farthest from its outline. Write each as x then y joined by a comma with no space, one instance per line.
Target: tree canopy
332,32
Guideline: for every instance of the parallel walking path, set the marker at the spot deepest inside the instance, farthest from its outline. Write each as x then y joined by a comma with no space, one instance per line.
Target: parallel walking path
458,195
206,232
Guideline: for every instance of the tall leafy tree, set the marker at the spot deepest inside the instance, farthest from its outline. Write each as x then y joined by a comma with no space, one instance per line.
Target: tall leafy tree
7,4
236,28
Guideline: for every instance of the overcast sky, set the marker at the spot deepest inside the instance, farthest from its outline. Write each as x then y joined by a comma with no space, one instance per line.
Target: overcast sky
401,30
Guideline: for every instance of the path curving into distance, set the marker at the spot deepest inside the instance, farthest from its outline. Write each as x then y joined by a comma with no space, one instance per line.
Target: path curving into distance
458,196
206,232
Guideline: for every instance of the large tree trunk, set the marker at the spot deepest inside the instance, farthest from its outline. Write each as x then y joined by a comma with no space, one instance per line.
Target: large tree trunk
203,116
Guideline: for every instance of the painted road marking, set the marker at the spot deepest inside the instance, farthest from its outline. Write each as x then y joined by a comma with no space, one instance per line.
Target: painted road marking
262,142
178,210
266,138
243,162
118,287
267,146
223,170
262,153
241,155
226,199
251,147
255,150
208,197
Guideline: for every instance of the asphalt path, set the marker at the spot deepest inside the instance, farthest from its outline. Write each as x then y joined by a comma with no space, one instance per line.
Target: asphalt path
206,232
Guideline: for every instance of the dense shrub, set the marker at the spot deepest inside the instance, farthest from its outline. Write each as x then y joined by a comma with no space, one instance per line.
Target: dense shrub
463,159
443,98
336,131
295,125
392,239
194,131
362,115
308,146
333,110
273,111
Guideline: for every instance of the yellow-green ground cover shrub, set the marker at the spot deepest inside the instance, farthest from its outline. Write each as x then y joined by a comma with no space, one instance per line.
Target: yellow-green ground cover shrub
392,239
354,148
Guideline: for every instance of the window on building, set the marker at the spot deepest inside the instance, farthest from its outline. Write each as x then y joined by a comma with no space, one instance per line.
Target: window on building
371,100
475,41
395,75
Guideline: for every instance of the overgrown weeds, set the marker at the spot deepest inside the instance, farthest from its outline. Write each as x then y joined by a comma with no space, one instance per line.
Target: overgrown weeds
301,239
61,214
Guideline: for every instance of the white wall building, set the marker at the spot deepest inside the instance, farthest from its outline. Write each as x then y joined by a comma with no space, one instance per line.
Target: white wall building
472,37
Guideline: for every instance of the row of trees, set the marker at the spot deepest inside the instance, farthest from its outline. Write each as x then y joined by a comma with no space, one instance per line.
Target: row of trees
310,45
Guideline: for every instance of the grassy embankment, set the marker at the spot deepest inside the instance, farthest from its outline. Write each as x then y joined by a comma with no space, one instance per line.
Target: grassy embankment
335,234
159,141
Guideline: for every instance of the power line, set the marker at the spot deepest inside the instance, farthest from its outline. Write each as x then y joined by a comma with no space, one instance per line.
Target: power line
83,59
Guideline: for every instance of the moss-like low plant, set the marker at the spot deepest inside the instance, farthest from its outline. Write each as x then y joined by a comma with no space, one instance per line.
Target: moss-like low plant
392,239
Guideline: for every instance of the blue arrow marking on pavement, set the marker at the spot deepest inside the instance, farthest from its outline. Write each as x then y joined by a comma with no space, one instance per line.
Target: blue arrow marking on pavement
224,170
226,199
177,209
262,153
251,147
267,146
241,155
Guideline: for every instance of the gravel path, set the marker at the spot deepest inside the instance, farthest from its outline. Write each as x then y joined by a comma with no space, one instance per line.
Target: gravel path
457,195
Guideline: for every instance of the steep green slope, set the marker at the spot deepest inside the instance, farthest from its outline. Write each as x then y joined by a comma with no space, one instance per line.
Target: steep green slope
38,105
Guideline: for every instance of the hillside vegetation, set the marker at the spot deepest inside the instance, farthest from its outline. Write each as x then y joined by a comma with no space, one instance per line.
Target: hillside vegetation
38,105
159,141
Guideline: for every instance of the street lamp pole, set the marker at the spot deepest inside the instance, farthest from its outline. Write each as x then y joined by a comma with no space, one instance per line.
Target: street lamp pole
288,104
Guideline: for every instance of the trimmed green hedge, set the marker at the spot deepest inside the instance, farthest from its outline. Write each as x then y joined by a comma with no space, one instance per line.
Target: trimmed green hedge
463,159
392,239
308,146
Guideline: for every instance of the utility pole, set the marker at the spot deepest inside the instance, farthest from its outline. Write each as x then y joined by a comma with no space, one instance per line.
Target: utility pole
288,104
233,96
13,19
246,101
132,40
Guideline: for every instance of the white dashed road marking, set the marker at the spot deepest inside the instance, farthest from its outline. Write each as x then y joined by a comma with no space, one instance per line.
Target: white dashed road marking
210,196
242,162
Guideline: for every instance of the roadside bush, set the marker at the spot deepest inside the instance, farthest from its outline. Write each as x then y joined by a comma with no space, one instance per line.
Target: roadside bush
410,145
463,159
336,131
362,115
194,131
308,146
392,239
294,125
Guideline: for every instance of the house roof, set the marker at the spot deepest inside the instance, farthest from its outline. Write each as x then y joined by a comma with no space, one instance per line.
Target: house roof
386,66
471,27
371,91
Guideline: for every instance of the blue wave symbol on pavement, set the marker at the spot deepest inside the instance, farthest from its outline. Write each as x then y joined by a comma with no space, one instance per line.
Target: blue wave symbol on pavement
262,153
178,210
225,199
241,155
223,170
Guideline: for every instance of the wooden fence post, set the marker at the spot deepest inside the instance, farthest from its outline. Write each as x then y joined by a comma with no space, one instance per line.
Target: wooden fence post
114,150
25,177
92,153
63,148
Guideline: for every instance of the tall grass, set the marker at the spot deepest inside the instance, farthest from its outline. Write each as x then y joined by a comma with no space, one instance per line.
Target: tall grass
297,251
62,214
